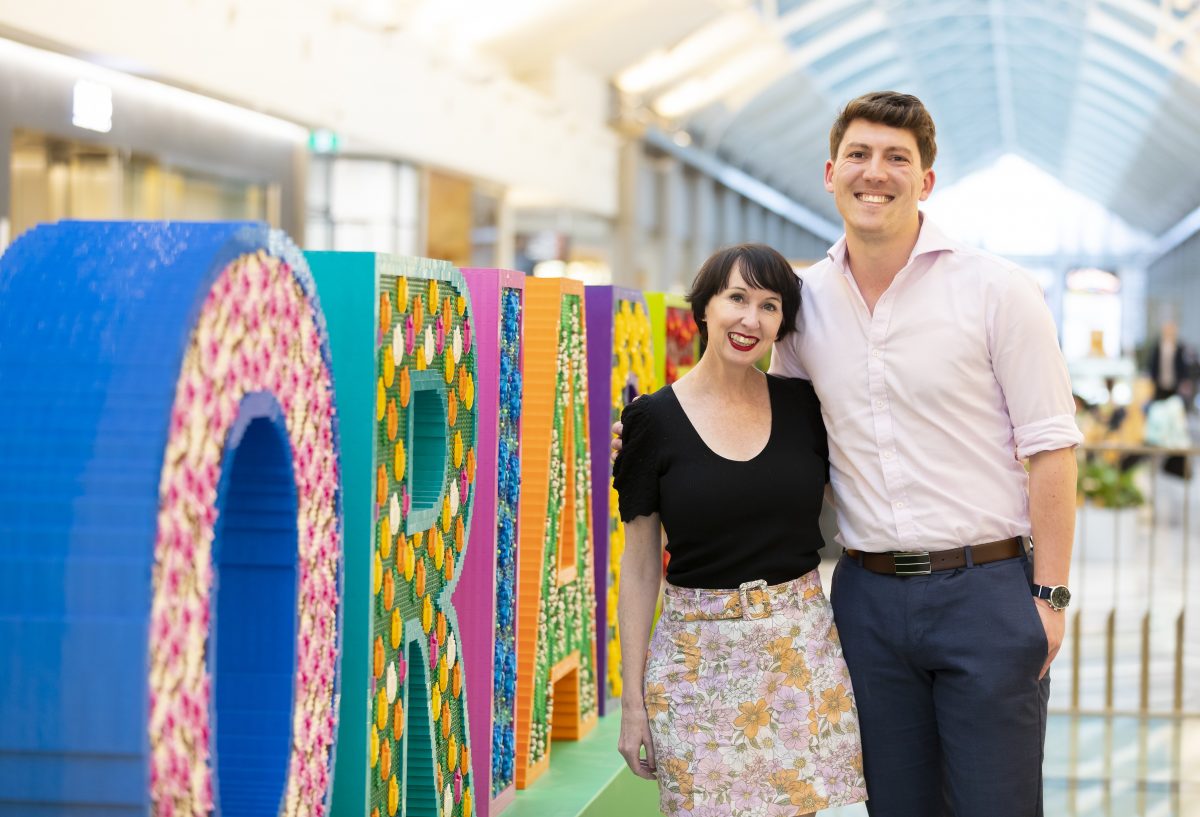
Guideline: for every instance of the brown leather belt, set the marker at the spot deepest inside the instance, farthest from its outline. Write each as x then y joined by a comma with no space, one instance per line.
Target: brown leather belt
924,562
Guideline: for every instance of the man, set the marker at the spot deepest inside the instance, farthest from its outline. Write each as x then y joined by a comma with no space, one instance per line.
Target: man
1168,363
938,370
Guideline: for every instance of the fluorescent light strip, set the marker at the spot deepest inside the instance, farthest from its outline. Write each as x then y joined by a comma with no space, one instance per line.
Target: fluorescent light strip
697,49
73,69
742,69
848,33
807,15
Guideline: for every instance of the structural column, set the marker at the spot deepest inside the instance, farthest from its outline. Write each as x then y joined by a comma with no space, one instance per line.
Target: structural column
628,234
731,224
672,221
703,217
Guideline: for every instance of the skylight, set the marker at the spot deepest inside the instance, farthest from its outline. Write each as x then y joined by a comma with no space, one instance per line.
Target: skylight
1012,207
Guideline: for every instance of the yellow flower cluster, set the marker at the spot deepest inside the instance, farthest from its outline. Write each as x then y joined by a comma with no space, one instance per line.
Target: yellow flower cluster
632,373
423,326
633,357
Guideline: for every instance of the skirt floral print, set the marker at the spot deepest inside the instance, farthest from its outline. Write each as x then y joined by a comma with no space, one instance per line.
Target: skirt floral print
752,717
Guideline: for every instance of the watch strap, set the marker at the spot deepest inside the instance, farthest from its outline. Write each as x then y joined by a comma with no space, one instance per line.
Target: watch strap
1046,593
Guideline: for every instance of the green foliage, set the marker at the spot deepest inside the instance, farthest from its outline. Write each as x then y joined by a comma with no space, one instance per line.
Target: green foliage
1107,486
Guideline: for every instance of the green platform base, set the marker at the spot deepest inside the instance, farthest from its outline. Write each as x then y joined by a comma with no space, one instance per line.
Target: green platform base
588,778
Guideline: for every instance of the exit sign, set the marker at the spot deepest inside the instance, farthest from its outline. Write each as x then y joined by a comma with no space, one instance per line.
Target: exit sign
323,141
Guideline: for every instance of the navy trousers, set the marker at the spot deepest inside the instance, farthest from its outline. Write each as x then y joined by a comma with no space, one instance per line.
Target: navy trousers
945,669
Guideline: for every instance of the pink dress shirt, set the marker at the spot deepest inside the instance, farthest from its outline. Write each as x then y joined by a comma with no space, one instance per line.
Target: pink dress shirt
931,402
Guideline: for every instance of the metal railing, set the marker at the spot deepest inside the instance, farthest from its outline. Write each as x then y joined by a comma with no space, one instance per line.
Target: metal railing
1135,561
1132,647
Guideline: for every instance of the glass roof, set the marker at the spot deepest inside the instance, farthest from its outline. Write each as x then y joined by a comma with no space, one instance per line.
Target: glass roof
1101,95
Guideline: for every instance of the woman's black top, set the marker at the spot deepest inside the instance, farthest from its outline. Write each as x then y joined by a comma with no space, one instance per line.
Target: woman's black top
728,521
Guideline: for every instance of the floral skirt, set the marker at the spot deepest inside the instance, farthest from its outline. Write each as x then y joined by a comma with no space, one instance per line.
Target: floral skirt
750,705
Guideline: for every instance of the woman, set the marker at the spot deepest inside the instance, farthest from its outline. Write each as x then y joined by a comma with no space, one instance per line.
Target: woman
744,705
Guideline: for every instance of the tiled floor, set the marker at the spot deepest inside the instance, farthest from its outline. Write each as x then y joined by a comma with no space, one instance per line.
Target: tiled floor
1115,745
1124,765
1115,767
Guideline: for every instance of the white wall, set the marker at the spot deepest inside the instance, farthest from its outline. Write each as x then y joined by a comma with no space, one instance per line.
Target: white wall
382,92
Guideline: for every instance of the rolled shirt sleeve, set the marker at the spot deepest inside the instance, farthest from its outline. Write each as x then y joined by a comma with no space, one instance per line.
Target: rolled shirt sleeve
1030,368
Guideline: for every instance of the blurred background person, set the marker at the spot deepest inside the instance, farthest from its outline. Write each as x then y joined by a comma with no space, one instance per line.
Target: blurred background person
1170,364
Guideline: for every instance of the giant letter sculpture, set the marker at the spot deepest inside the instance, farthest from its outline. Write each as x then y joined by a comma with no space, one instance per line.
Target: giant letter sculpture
556,664
488,586
620,355
170,525
404,365
676,336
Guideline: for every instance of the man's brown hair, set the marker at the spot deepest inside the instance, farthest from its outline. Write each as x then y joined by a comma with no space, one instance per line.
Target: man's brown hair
895,110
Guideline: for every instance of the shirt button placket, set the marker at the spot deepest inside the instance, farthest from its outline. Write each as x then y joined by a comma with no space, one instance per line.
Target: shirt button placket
884,423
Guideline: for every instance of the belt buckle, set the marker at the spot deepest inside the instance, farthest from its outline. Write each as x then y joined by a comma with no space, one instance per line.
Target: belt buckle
912,562
744,596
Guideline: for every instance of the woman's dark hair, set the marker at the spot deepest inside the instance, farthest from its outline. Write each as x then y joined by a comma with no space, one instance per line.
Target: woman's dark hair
761,268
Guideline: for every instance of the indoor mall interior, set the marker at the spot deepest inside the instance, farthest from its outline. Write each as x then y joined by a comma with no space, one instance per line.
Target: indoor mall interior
315,319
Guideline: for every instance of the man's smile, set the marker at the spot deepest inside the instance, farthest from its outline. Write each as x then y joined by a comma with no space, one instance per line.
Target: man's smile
873,198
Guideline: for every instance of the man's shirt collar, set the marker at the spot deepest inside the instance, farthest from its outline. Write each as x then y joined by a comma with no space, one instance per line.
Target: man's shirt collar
929,240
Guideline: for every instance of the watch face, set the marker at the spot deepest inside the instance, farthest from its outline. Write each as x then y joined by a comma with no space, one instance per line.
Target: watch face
1060,597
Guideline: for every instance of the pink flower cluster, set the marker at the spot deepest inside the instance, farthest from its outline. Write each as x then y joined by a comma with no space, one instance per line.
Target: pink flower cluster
257,331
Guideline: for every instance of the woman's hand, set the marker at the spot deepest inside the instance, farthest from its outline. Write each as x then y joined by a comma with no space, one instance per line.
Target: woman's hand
635,735
641,575
615,445
617,429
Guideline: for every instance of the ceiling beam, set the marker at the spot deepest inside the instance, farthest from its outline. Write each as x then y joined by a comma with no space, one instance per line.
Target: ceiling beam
875,72
1110,130
1187,227
746,185
785,150
809,14
1120,61
1000,45
939,14
1103,24
794,101
1108,82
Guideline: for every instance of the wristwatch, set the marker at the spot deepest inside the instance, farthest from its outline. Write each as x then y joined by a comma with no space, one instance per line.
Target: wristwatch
1058,595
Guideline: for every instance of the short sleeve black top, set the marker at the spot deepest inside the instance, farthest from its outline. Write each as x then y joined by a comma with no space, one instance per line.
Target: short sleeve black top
728,521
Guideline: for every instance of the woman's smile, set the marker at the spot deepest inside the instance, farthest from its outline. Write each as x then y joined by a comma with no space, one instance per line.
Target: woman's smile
743,343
